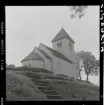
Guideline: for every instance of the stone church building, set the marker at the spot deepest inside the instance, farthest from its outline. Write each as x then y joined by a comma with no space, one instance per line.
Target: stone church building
61,58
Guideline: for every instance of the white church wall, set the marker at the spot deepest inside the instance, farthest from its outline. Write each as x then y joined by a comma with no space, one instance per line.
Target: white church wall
47,62
55,65
33,63
49,53
64,68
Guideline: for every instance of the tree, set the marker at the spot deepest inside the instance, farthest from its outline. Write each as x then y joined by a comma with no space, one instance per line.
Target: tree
11,66
78,11
79,65
90,63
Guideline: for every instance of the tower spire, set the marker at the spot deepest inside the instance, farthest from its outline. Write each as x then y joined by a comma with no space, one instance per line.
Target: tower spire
62,25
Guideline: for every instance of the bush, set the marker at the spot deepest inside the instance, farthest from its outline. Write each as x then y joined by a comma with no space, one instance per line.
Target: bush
46,71
11,66
61,82
30,69
32,75
54,77
71,78
8,68
88,81
62,75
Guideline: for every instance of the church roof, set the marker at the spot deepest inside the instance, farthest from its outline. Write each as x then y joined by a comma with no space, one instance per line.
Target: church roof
44,53
58,54
32,56
62,34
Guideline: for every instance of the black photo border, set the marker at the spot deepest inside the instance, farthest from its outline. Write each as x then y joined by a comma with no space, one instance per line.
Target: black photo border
3,57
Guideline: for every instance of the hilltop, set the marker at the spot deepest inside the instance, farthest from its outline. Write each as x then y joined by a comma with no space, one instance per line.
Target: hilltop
41,85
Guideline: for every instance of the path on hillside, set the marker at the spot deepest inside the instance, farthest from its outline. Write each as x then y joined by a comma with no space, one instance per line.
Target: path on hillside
47,89
51,93
60,89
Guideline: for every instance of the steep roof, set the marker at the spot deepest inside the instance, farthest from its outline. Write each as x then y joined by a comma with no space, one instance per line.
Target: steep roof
62,34
58,54
44,53
32,56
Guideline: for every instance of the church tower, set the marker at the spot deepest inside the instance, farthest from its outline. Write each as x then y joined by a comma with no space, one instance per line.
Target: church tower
63,43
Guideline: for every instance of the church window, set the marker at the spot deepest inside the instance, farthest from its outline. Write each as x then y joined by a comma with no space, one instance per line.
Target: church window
70,46
59,44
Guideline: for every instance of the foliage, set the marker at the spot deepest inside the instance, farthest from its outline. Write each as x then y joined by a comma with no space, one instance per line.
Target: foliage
32,75
62,75
78,11
11,66
90,63
71,78
61,82
55,77
30,69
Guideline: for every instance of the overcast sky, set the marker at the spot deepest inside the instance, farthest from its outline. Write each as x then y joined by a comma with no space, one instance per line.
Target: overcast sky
27,27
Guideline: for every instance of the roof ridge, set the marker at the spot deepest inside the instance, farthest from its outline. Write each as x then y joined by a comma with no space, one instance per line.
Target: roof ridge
31,56
62,34
54,53
44,53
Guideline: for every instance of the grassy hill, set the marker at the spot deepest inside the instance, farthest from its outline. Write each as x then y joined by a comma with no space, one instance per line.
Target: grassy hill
44,86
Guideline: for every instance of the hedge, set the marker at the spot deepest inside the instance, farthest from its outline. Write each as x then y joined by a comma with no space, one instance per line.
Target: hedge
30,69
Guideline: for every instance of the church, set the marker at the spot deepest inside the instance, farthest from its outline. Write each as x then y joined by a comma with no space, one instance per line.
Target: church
60,59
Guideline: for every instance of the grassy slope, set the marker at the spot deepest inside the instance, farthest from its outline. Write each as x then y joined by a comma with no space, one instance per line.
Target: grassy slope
71,89
20,87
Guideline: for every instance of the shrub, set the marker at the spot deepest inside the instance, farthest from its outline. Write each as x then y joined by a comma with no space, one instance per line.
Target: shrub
54,77
71,78
8,68
61,82
30,69
32,75
62,75
11,66
41,70
88,82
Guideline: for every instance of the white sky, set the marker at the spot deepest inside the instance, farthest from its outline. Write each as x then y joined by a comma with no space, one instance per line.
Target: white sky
28,26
